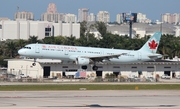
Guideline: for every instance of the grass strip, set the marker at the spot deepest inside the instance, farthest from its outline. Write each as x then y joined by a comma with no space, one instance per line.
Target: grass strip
90,87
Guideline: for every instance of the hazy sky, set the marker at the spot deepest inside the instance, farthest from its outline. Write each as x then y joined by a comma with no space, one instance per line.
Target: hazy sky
152,8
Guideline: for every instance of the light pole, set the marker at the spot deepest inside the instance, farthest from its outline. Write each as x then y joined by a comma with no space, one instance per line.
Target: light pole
155,73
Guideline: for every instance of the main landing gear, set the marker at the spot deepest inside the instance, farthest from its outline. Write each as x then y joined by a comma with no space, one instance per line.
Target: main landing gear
34,64
94,67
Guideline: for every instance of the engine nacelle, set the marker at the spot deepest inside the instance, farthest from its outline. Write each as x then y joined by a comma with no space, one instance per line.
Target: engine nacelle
82,61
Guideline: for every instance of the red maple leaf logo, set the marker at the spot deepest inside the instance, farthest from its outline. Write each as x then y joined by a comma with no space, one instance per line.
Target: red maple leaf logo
153,44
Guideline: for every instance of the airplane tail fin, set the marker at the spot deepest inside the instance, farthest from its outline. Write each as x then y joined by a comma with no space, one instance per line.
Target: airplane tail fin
152,44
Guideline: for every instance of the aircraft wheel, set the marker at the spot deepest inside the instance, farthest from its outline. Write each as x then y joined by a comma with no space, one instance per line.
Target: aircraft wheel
95,68
84,67
34,64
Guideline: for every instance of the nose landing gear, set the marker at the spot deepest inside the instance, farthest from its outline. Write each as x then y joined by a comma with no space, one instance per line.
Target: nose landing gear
34,64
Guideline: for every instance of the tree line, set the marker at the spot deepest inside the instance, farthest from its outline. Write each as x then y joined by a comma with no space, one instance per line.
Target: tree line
169,45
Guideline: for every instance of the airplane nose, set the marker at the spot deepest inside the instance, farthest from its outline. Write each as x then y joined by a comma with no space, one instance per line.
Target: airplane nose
20,51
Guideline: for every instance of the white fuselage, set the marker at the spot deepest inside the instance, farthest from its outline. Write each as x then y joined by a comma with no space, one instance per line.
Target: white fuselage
70,53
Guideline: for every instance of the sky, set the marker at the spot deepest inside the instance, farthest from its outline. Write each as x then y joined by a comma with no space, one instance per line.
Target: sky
152,8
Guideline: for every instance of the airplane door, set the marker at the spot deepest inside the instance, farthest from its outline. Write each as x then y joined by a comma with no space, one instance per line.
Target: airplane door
66,52
139,56
37,48
102,52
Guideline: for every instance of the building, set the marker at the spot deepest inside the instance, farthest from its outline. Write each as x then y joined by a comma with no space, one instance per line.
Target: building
52,15
139,29
103,16
83,14
4,18
24,15
119,18
47,68
141,18
170,18
70,18
24,29
91,17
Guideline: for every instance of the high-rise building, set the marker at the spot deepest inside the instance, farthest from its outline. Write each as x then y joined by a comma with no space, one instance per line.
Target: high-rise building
170,18
141,18
83,14
51,8
70,18
24,15
119,18
103,16
52,15
91,17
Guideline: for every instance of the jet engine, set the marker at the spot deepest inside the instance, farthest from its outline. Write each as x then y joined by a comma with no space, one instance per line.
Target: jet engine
82,61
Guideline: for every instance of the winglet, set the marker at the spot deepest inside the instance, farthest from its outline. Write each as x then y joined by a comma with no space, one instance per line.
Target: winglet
152,44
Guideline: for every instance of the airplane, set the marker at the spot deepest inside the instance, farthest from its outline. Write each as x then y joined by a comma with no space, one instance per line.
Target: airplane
90,55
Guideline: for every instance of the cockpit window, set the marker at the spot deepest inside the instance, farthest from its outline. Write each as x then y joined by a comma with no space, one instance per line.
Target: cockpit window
27,47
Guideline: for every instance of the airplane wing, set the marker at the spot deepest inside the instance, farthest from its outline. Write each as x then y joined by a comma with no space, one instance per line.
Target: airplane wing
100,58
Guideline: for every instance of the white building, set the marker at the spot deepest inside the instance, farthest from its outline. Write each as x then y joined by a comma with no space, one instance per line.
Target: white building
70,18
103,16
42,29
47,68
91,17
52,17
4,18
119,18
141,18
24,15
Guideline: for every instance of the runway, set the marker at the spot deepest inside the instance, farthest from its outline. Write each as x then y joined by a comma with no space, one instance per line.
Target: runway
109,99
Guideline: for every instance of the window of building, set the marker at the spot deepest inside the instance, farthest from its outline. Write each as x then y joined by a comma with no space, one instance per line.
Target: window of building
150,67
47,34
48,31
65,67
133,67
167,67
116,66
0,26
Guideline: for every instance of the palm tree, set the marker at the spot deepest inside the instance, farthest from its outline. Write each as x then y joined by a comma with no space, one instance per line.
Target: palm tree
21,43
33,39
101,27
71,40
2,48
11,49
48,40
60,40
